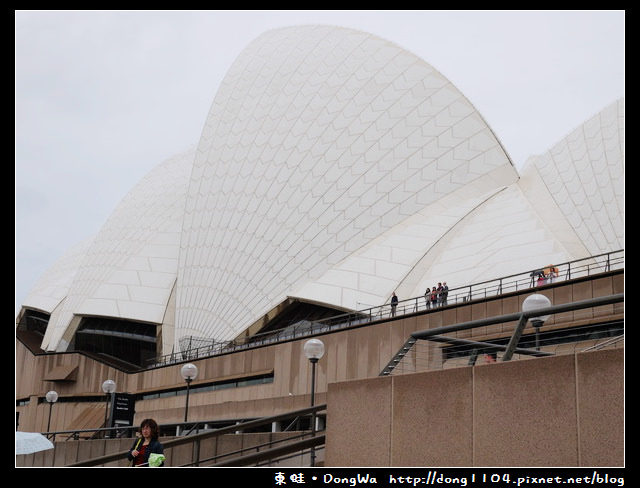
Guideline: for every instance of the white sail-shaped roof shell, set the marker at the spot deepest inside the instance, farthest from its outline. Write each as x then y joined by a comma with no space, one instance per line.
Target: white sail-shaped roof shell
336,167
319,141
128,270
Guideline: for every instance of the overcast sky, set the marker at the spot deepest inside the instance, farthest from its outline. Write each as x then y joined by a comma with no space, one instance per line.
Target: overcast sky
102,97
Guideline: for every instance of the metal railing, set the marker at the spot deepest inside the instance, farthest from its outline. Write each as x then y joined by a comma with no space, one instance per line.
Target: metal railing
457,349
525,280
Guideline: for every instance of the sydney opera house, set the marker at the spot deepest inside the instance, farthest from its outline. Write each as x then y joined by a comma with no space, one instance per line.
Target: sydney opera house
334,169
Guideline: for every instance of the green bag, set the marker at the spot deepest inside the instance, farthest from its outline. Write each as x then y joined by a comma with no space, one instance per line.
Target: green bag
156,460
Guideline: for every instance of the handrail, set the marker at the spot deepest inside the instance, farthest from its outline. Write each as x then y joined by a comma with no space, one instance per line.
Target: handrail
437,334
245,451
553,309
602,345
196,438
275,452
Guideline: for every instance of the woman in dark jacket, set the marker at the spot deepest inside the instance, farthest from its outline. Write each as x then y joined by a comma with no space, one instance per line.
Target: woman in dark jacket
146,445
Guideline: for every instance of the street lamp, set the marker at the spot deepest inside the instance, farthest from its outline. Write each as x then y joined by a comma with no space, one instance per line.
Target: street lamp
314,350
52,397
189,373
108,387
532,303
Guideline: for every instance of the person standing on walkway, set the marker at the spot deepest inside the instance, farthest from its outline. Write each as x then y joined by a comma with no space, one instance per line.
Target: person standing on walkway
434,297
445,293
394,304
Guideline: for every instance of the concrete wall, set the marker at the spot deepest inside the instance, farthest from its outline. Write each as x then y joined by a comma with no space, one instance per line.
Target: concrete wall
556,411
543,412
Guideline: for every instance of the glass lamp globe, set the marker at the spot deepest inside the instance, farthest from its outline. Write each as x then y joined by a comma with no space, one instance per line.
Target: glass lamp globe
535,302
189,371
109,386
314,349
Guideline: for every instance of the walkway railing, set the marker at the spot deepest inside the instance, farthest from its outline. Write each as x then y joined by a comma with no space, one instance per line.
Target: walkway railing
525,280
252,455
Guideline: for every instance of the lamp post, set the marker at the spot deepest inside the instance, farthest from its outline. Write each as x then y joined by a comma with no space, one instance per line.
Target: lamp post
532,303
189,373
52,397
108,387
313,350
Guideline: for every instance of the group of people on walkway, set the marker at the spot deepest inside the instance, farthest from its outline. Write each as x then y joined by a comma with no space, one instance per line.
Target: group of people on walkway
546,275
437,296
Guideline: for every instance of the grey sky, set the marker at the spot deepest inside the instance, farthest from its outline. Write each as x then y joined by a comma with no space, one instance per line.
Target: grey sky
101,97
